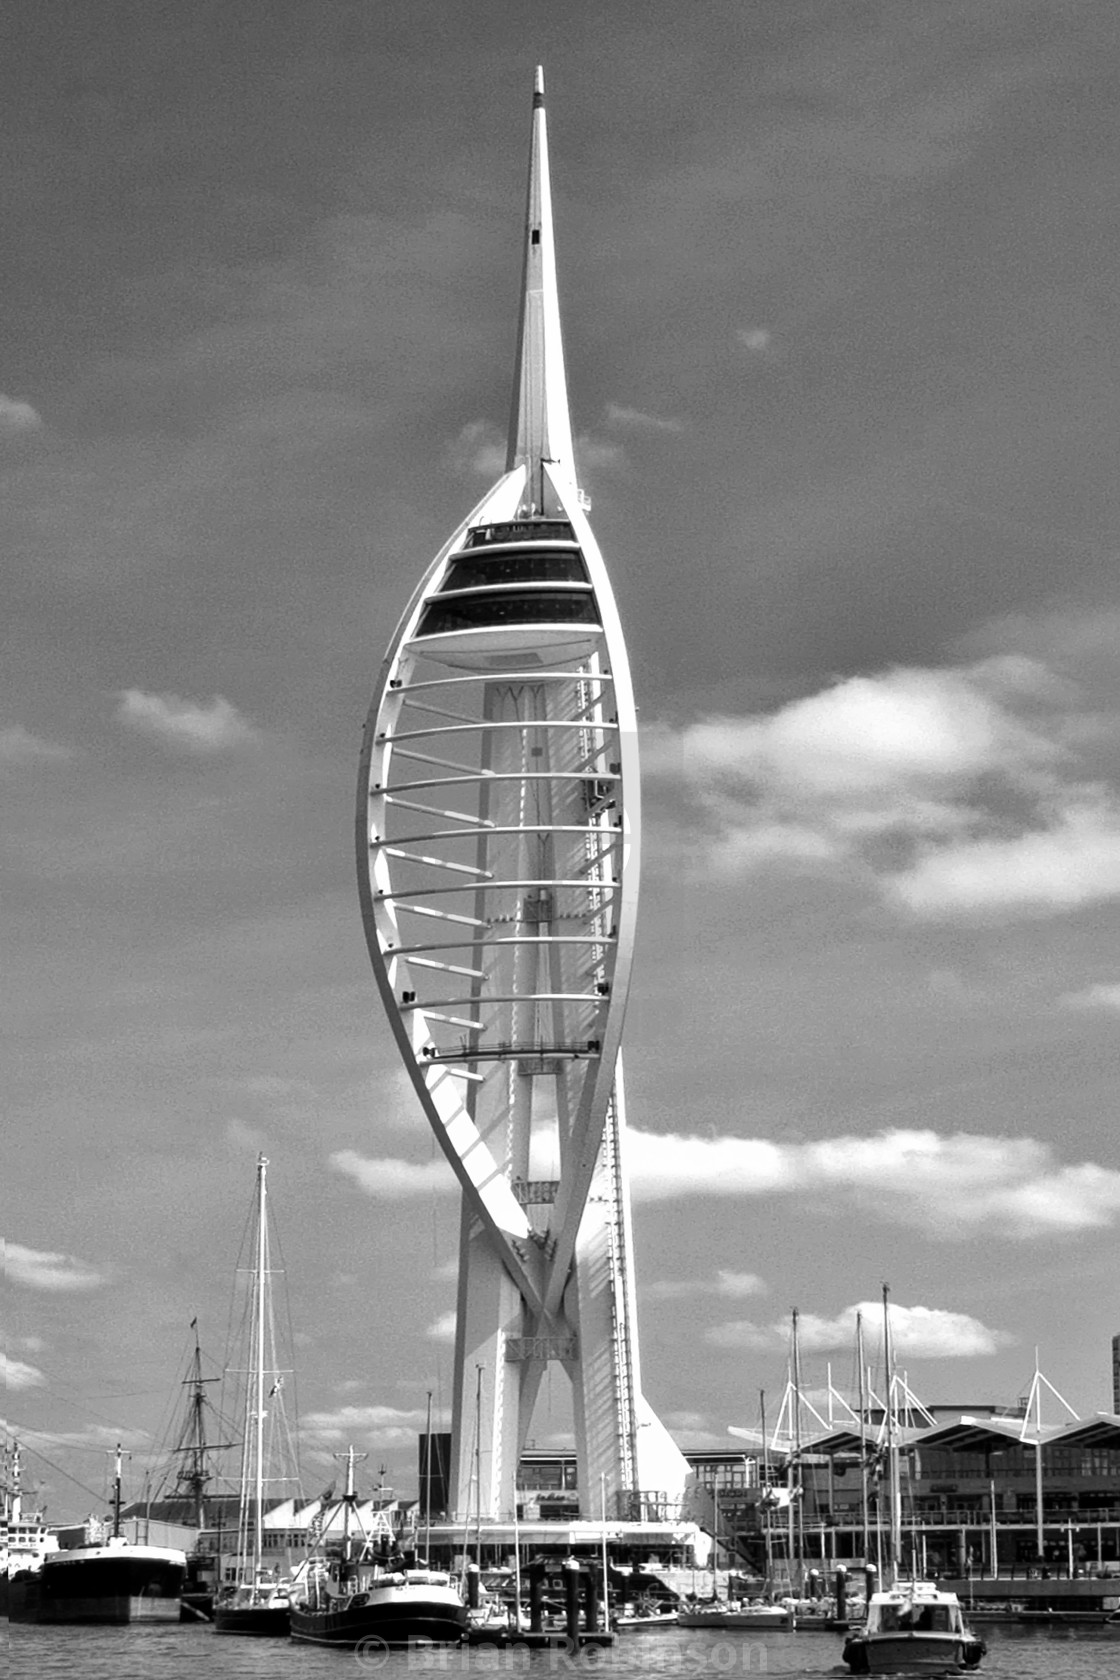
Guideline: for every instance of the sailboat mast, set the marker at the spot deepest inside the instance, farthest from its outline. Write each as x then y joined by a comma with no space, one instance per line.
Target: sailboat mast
769,1541
1039,1522
428,1483
478,1463
258,1364
198,1431
796,1352
892,1444
862,1379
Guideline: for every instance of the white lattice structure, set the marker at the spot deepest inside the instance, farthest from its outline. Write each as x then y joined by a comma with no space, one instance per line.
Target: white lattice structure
498,832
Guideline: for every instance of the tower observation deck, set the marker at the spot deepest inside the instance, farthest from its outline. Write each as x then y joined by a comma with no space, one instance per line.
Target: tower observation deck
498,845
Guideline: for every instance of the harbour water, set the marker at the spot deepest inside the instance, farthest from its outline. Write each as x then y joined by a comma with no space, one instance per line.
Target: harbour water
168,1653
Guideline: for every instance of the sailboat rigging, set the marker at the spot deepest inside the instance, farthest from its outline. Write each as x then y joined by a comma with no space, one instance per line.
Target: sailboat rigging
260,1600
912,1626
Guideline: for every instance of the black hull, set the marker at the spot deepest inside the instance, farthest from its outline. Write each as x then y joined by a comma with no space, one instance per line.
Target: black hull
390,1623
21,1599
901,1655
112,1589
261,1621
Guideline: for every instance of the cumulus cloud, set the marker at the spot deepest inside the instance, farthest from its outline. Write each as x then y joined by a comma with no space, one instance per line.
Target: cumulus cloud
727,1284
16,416
951,1185
1075,861
185,723
18,1374
479,450
755,339
380,1426
19,746
633,419
948,1185
597,454
96,1437
41,1269
442,1329
241,1135
1101,996
389,1180
916,1332
952,792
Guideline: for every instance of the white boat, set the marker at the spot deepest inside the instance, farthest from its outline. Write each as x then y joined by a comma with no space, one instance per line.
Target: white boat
913,1628
25,1540
758,1616
260,1600
730,1613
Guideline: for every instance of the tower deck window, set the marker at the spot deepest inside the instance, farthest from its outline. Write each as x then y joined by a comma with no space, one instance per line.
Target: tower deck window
475,570
520,531
488,608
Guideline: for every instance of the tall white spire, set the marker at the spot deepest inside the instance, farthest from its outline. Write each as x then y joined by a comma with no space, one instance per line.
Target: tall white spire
498,838
540,429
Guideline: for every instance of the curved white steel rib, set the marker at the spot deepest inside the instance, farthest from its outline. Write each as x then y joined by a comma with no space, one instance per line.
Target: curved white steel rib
498,835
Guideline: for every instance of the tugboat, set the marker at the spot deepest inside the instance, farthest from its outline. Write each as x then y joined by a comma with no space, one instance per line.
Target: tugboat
378,1594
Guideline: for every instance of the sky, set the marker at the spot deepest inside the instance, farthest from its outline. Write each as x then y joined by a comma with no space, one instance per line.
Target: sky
837,279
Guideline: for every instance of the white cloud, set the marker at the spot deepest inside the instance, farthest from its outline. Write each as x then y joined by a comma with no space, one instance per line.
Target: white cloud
965,791
241,1135
633,419
380,1426
1075,861
1100,996
95,1437
479,450
388,1180
948,1185
17,1374
16,416
916,1332
741,1333
442,1329
185,723
866,735
595,454
728,1284
671,1289
19,746
756,339
952,1185
39,1269
739,1283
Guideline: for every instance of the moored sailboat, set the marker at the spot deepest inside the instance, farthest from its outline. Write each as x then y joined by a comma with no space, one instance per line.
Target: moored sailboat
912,1627
260,1599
